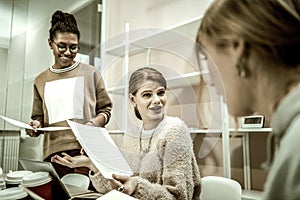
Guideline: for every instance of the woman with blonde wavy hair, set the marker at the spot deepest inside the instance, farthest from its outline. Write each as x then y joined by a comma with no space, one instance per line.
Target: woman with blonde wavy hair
255,45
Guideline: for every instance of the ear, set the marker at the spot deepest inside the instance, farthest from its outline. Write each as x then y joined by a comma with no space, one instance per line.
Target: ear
131,98
50,43
238,48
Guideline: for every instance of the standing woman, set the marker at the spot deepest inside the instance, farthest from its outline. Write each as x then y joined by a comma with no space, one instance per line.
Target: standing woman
160,153
67,90
255,46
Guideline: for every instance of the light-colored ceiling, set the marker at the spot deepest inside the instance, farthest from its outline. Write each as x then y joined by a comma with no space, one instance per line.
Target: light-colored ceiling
12,12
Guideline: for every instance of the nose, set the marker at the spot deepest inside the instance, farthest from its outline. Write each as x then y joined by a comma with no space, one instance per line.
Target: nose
156,99
68,52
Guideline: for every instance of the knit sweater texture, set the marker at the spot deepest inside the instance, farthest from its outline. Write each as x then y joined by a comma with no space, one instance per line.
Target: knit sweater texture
168,171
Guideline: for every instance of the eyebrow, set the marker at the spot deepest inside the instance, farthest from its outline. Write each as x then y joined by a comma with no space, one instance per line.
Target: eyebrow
66,43
149,90
162,88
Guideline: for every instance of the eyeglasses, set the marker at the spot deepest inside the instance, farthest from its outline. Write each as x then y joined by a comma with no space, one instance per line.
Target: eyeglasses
73,48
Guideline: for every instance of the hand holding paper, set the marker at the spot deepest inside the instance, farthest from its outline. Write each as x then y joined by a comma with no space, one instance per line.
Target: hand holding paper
101,149
27,126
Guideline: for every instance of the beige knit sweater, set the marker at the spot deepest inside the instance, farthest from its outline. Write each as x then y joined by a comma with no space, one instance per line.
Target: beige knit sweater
168,171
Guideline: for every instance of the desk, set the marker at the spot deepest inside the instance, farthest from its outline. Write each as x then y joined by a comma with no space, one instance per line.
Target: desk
245,148
246,151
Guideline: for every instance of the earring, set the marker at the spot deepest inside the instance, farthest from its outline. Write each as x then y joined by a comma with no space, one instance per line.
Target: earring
134,105
241,68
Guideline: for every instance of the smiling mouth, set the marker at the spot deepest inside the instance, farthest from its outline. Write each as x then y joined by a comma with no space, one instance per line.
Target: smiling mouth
65,58
156,108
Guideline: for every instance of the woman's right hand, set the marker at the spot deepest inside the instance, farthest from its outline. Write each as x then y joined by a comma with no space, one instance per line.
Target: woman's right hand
72,162
34,124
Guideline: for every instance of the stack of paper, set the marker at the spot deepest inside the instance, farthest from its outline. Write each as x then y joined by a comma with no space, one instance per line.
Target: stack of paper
101,149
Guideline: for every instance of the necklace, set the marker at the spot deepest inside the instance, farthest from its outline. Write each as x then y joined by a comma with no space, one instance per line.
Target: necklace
144,151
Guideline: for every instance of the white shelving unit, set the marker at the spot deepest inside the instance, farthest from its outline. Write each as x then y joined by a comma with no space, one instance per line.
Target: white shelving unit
176,39
154,38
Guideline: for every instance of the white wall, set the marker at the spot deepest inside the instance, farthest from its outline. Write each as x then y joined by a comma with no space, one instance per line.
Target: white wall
16,64
150,14
3,82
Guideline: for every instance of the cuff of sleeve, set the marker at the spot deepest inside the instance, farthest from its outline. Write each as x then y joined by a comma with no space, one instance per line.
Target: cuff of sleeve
105,117
141,187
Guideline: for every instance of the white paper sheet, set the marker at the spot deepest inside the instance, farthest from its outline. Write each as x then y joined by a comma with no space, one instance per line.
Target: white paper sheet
64,99
116,195
27,126
101,149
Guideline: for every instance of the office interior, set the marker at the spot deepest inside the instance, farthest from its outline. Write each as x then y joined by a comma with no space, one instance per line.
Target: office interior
117,37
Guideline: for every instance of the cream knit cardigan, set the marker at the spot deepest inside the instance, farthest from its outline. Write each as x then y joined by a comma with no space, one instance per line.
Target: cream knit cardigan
168,171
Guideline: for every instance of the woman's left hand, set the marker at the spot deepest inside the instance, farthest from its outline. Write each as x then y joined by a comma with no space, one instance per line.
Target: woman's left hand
129,183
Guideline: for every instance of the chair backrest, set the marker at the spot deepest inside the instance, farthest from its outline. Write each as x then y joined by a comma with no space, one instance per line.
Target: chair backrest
216,187
78,180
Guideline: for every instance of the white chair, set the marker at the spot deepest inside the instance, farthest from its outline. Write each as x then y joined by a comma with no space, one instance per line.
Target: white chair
216,187
78,180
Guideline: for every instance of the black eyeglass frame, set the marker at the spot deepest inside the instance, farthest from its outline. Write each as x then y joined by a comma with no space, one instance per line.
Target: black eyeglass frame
73,48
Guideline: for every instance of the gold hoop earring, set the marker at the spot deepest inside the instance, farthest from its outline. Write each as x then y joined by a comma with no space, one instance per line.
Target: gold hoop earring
241,69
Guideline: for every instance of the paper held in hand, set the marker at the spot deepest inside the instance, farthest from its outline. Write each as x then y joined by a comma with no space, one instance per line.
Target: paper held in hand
27,126
115,195
101,149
